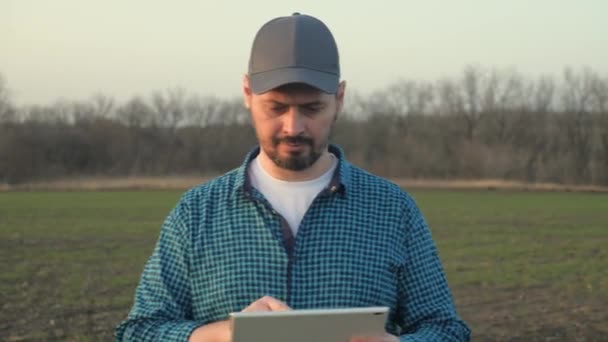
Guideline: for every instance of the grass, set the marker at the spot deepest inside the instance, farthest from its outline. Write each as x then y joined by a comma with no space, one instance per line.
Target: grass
511,239
522,265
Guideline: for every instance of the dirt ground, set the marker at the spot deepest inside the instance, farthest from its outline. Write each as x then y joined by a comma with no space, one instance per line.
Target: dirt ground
528,314
532,314
69,262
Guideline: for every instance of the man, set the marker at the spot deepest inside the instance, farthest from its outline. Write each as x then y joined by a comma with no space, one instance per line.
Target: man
296,226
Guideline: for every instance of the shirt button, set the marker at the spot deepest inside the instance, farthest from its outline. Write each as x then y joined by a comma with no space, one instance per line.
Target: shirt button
333,188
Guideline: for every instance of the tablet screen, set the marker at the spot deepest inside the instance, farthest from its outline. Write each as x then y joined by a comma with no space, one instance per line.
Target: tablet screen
318,325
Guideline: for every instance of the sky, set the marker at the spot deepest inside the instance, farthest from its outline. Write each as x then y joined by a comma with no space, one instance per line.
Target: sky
74,49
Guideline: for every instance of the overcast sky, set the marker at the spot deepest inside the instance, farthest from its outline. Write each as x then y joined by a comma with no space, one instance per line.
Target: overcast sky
72,49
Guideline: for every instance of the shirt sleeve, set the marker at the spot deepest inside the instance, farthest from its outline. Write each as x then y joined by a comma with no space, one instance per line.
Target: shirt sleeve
426,310
162,309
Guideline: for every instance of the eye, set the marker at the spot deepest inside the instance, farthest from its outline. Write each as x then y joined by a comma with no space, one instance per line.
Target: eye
312,109
278,109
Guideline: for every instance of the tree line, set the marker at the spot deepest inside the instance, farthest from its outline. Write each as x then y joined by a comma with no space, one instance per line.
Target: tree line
482,123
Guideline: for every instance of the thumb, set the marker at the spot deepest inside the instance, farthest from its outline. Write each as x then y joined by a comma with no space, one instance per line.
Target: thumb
275,304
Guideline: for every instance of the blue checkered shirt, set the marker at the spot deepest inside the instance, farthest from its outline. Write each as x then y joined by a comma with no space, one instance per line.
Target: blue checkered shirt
363,242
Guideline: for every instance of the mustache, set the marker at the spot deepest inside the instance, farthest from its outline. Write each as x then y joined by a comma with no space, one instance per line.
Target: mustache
298,139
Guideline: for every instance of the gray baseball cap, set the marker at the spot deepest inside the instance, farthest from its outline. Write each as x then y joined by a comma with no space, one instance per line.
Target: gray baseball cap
294,49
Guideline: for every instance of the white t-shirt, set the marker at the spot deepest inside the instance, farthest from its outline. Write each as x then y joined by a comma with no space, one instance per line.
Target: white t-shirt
290,199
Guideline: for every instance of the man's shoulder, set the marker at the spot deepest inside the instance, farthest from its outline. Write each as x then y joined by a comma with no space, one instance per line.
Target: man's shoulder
365,181
368,184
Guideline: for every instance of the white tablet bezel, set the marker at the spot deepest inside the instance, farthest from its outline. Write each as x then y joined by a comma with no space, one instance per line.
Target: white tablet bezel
320,325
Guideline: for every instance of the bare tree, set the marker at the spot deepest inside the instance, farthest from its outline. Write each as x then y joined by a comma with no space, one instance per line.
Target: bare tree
483,123
502,97
98,107
599,96
169,107
577,119
203,111
536,131
472,99
7,115
7,109
135,113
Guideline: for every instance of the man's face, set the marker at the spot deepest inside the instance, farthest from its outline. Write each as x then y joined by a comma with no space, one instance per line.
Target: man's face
293,123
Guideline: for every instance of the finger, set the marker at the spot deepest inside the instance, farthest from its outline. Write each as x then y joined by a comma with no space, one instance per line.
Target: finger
358,339
275,305
257,306
374,338
267,303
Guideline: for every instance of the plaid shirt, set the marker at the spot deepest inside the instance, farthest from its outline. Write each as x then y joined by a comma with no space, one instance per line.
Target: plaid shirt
363,242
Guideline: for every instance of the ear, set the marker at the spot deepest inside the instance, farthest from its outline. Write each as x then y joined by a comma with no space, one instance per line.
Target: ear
246,92
340,96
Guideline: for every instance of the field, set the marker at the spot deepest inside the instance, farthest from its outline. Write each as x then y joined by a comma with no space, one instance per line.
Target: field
523,266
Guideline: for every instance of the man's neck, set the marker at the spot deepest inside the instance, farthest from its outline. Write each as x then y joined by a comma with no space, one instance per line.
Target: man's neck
317,169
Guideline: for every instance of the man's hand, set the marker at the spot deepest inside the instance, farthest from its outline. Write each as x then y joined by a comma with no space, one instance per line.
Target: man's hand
212,332
220,331
375,338
267,303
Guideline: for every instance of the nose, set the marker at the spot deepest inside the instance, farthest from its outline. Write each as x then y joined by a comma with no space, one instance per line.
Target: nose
293,122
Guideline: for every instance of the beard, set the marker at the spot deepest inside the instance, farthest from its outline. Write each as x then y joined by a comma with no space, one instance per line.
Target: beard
296,160
299,160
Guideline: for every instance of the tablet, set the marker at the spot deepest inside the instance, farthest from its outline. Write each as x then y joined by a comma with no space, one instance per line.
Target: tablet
318,325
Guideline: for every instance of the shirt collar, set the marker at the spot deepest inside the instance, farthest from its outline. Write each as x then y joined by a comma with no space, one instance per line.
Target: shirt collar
340,181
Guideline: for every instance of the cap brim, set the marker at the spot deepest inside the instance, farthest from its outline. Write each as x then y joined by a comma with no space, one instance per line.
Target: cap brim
265,81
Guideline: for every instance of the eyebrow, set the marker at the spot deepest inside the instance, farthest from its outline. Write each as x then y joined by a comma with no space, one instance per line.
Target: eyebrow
307,104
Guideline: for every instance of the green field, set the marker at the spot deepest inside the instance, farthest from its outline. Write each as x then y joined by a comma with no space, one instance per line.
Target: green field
523,266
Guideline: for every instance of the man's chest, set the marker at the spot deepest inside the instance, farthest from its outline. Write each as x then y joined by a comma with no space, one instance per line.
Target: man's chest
334,263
